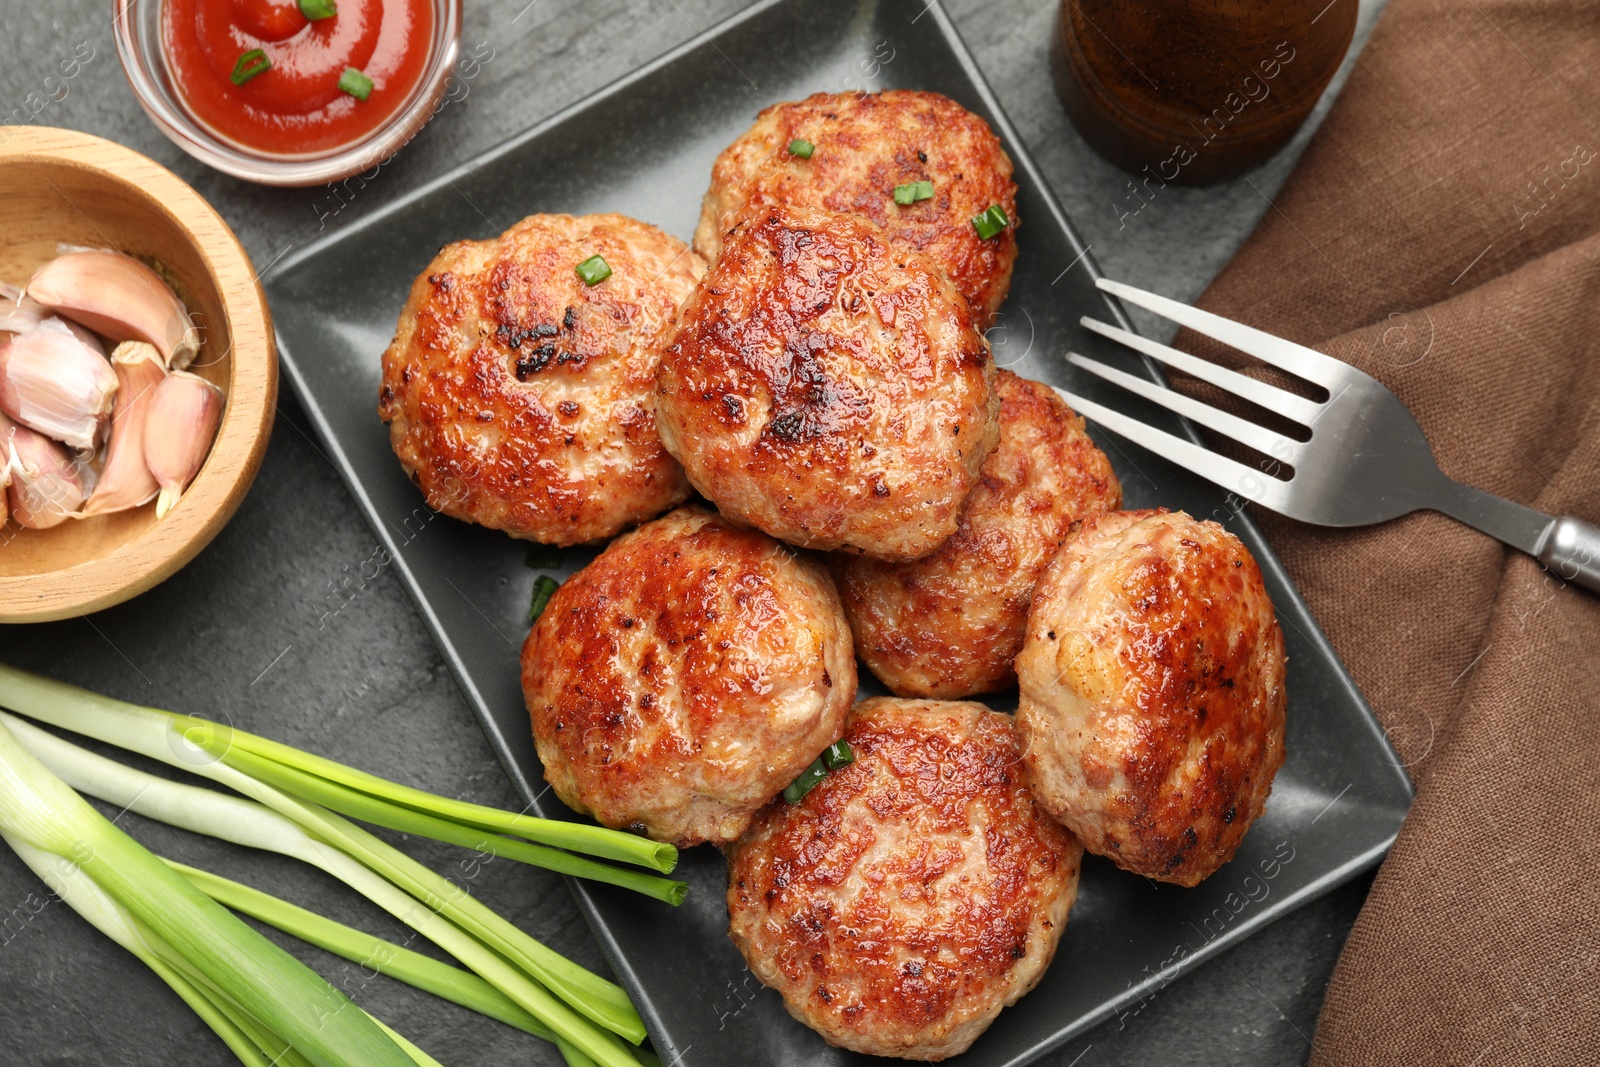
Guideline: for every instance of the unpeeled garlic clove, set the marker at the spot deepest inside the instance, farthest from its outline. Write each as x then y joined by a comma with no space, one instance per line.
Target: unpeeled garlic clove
119,297
179,428
125,480
53,383
88,338
6,426
18,313
48,484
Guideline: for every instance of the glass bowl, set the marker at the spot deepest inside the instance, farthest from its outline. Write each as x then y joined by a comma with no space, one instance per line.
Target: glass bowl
137,27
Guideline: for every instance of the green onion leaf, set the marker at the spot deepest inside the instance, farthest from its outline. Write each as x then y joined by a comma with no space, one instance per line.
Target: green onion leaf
990,222
838,755
911,192
594,270
248,65
558,833
318,9
424,972
384,957
801,147
796,791
355,83
543,589
359,805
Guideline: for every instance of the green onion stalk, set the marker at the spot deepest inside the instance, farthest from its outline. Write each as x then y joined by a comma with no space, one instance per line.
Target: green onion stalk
567,999
459,987
189,742
202,945
223,755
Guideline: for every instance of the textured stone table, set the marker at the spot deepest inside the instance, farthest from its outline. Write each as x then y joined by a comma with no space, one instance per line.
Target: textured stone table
249,631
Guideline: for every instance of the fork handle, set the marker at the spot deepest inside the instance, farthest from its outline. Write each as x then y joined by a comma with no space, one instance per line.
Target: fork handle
1570,549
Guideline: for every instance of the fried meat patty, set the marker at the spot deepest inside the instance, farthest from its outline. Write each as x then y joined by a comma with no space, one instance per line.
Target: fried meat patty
950,625
863,146
829,388
683,678
911,895
518,397
1152,704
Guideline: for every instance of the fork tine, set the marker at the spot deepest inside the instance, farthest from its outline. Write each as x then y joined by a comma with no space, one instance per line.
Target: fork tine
1298,360
1284,403
1236,477
1257,437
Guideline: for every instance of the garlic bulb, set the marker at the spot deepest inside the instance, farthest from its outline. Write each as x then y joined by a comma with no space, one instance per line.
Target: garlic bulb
119,297
53,383
180,426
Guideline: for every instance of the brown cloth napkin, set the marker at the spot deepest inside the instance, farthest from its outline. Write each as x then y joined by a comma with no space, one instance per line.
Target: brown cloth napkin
1442,232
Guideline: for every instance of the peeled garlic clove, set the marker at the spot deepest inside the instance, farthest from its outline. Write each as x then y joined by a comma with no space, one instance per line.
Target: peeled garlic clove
119,297
53,383
48,484
180,426
18,313
125,480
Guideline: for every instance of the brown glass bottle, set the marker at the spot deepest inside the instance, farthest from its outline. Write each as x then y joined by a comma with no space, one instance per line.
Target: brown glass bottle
1194,91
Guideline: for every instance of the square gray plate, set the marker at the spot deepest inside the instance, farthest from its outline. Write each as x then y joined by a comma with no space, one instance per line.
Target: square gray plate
644,147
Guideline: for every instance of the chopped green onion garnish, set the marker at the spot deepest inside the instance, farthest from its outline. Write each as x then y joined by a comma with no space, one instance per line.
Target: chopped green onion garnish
911,192
838,755
594,270
318,9
249,65
542,590
542,557
796,790
990,222
355,83
801,147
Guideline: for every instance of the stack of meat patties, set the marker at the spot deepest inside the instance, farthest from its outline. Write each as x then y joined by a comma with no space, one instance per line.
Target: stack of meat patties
815,368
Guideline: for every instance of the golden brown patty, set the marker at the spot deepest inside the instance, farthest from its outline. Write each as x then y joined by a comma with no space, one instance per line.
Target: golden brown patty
912,894
950,624
686,676
1152,692
517,396
863,146
829,389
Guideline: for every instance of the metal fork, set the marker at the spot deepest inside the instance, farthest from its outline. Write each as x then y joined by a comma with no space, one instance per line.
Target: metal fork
1367,460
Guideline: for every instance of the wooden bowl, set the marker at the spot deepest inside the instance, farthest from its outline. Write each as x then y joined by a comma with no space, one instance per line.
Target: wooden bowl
61,187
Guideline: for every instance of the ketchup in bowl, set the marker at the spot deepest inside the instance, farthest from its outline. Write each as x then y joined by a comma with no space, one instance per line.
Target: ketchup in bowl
295,77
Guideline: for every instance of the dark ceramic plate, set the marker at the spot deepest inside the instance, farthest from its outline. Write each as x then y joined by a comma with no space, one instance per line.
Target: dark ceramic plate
644,147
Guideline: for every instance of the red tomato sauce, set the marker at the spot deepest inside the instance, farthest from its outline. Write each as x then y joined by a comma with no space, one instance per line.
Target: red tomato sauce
296,107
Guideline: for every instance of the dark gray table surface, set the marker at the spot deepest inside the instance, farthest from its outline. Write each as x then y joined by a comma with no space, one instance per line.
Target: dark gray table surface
282,626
